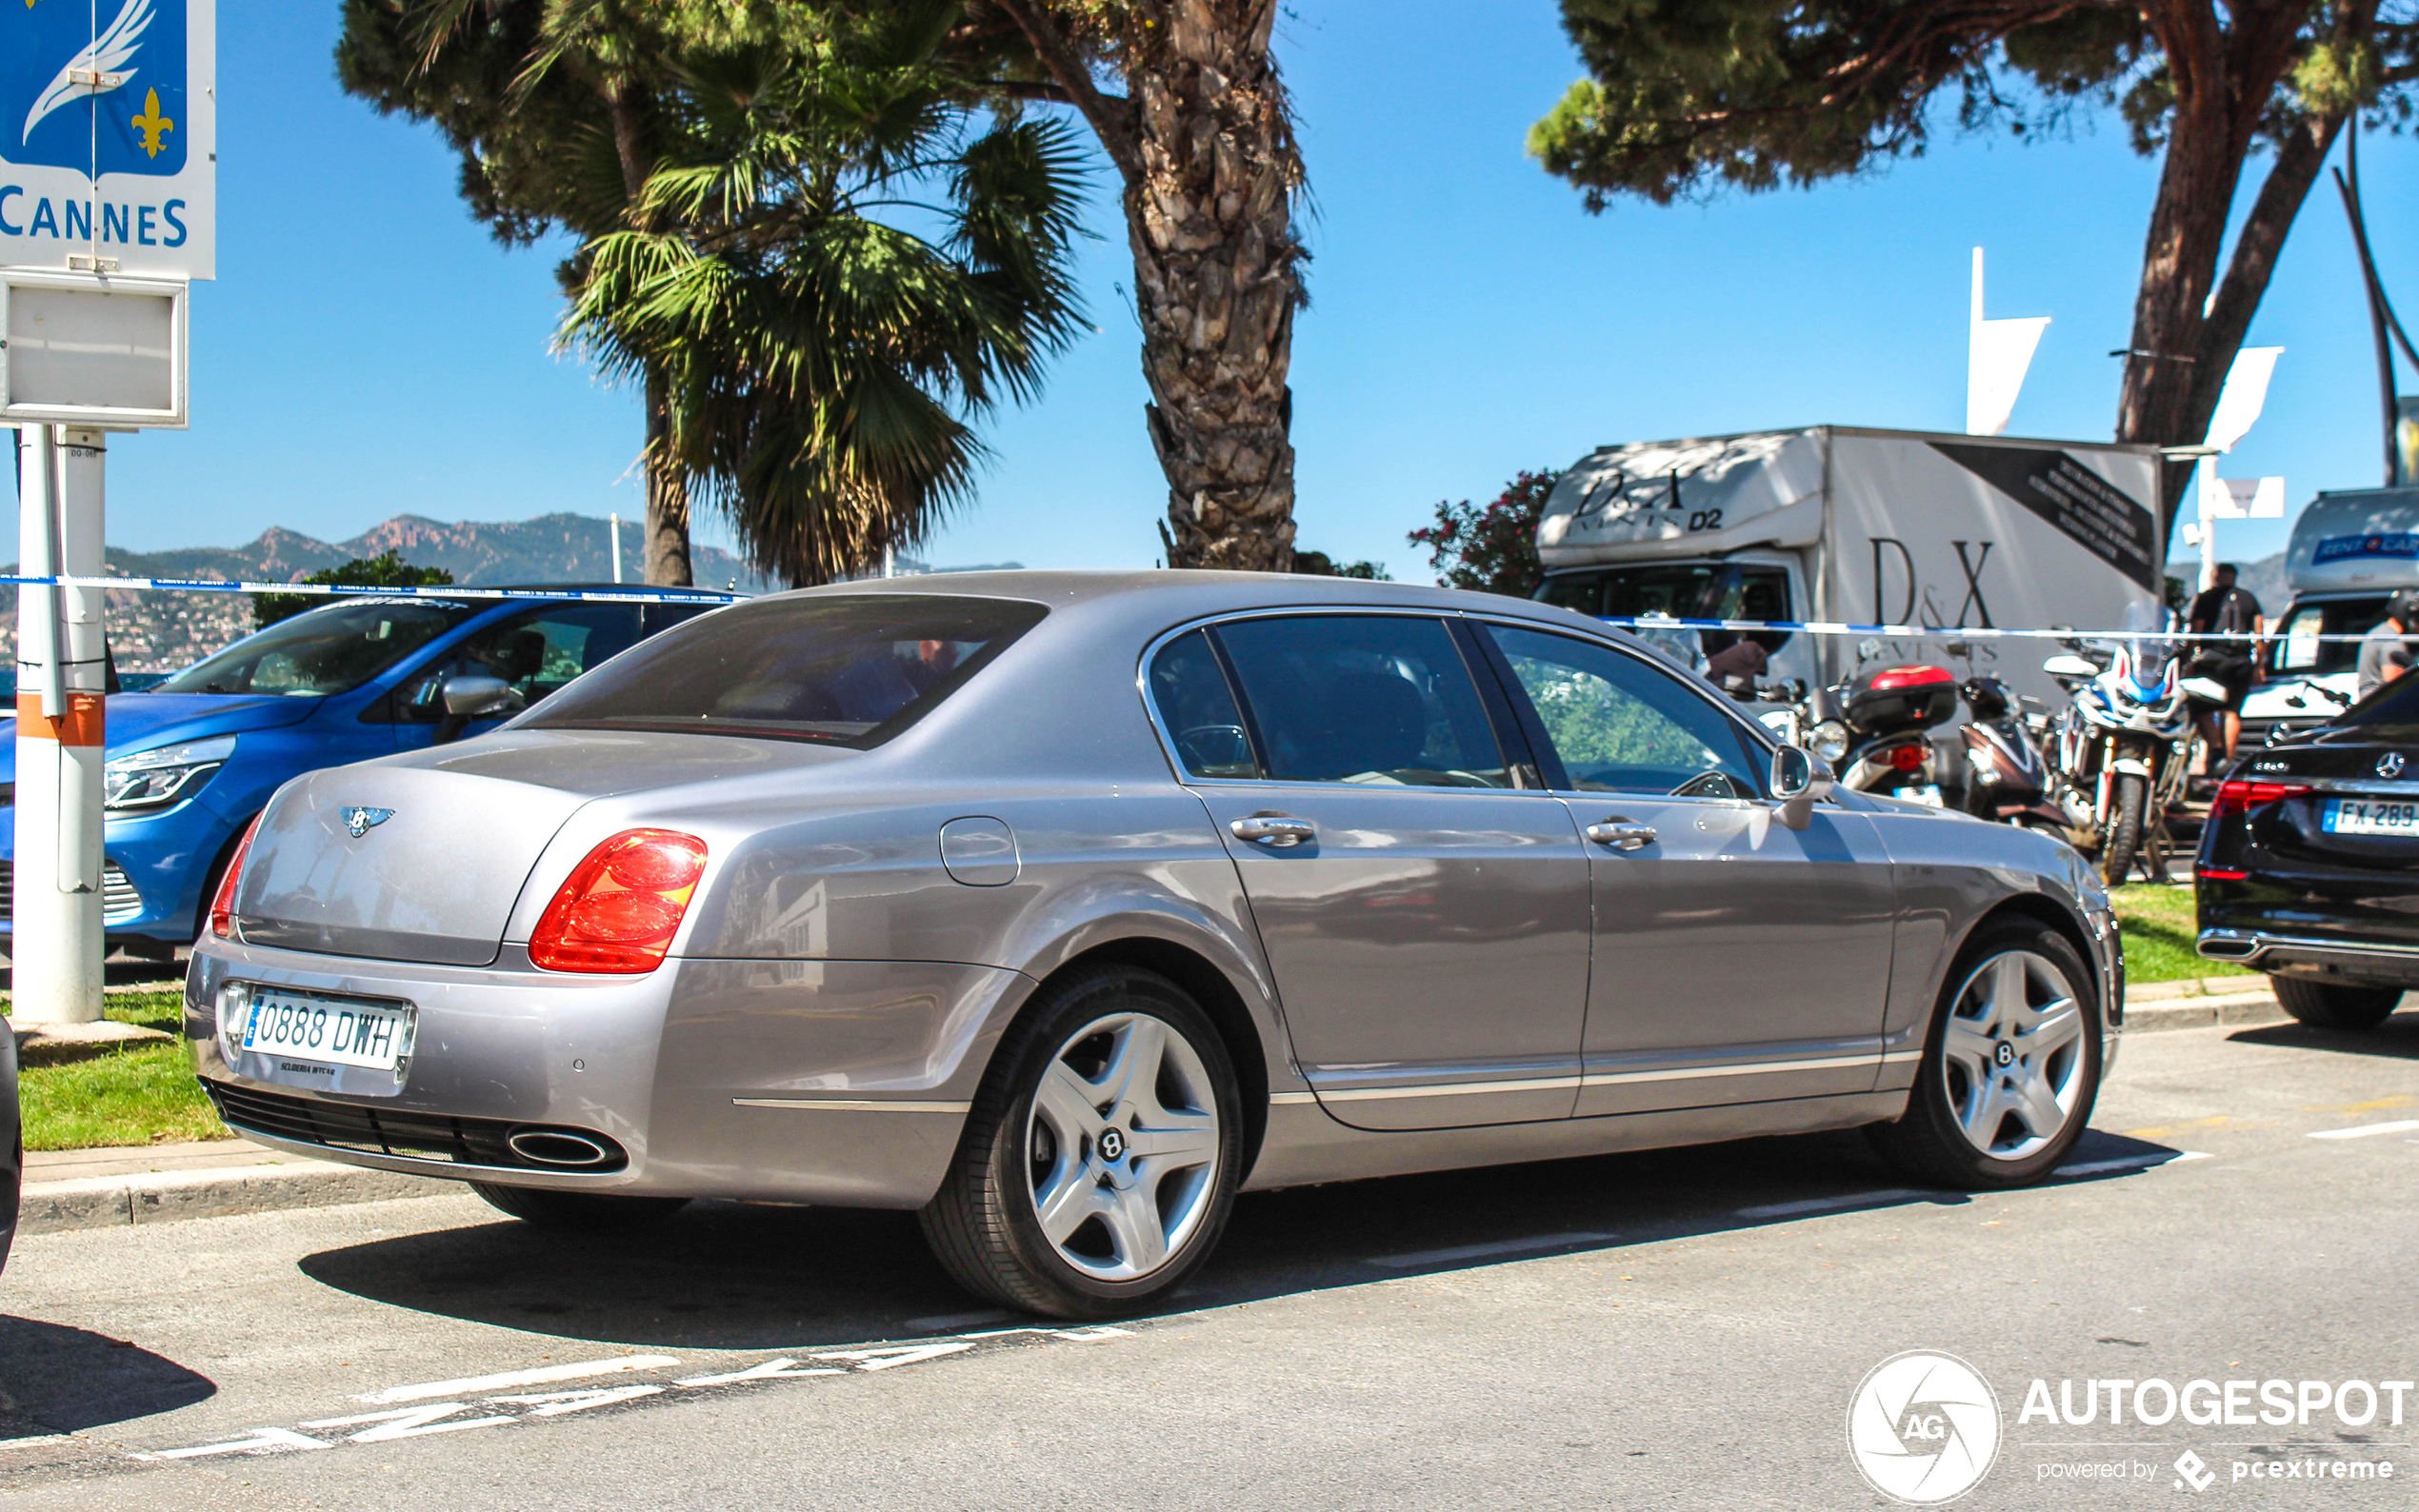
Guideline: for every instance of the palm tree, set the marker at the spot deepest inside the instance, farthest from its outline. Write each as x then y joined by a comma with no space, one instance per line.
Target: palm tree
839,262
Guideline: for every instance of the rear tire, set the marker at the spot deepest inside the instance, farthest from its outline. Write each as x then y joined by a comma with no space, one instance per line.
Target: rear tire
582,1212
2128,797
1099,1162
2010,1066
2329,1006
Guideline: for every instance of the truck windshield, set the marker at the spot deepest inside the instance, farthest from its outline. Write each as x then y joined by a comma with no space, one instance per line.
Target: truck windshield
2297,651
842,669
325,651
1685,591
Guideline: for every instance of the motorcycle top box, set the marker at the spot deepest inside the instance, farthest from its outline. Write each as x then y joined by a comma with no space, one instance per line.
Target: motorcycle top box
1902,698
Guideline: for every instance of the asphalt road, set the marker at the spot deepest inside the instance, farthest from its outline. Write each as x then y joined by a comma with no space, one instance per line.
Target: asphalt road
1682,1328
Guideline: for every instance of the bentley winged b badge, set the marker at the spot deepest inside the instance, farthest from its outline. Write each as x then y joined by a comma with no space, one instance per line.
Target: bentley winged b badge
361,821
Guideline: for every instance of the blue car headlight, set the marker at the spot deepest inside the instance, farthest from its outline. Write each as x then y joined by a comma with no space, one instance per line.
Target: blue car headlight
154,779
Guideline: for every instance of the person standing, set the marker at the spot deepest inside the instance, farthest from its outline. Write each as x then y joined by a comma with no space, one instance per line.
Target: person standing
2235,664
2385,652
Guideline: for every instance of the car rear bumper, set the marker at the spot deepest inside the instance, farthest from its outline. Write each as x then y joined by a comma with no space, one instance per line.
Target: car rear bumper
836,1083
2343,959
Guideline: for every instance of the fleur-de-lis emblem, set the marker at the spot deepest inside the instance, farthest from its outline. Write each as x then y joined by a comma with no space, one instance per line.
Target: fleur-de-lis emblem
151,124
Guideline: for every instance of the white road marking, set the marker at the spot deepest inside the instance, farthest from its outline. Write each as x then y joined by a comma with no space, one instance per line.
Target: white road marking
2130,1162
1825,1204
951,1322
409,1423
1501,1246
891,1355
2359,1131
472,1385
559,1402
769,1370
264,1440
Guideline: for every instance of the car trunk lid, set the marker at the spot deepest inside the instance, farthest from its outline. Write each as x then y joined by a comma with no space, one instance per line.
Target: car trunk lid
395,861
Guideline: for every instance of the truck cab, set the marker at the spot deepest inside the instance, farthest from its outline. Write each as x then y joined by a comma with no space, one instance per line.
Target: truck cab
2350,551
1749,585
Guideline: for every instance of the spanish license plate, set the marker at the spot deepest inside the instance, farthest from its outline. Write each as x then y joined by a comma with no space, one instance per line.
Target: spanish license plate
2368,816
335,1030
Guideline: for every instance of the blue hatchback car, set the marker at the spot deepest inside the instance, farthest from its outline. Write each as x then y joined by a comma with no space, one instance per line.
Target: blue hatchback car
192,759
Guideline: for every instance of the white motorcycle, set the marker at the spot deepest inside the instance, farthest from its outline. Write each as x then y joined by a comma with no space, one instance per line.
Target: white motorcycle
2122,747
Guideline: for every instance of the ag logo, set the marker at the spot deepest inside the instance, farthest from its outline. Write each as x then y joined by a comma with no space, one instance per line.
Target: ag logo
1923,1427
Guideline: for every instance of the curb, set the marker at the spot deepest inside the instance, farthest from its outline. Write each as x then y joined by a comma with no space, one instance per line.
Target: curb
2233,1010
166,1197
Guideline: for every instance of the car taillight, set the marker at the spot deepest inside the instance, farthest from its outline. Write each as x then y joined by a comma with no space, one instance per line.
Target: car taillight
222,908
621,906
1907,758
2241,797
2220,874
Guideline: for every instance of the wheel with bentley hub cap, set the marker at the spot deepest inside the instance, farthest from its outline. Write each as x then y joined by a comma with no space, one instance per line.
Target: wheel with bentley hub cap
2010,1066
1100,1158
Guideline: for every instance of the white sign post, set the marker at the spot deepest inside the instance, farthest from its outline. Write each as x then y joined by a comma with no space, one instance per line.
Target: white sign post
2238,406
1998,353
108,212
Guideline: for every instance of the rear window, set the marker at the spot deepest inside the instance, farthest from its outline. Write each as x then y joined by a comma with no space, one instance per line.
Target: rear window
849,670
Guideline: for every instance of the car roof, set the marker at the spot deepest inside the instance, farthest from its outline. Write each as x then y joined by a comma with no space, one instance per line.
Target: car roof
1209,592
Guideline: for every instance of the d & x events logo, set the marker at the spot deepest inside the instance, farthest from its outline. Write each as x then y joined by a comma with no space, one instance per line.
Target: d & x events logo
1923,1427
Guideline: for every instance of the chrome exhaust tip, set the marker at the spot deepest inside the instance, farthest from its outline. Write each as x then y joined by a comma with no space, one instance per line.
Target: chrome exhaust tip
563,1149
2229,947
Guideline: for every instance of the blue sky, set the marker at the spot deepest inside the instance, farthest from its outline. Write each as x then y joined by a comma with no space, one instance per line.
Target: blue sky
367,350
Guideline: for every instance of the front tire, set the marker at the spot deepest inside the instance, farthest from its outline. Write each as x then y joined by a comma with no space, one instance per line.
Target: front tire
2331,1006
1100,1159
2128,797
580,1212
2010,1068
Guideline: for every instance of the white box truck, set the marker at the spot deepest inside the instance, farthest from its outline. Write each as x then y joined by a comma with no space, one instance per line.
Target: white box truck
1836,523
2348,550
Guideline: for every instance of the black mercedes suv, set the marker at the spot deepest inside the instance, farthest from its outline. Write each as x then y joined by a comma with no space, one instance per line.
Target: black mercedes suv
2309,867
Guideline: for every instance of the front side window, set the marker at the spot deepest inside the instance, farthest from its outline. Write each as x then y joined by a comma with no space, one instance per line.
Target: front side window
1382,699
325,651
1620,724
534,652
845,670
2298,648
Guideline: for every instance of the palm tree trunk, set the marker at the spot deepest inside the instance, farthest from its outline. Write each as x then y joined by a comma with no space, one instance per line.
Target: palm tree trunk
666,495
667,485
1205,149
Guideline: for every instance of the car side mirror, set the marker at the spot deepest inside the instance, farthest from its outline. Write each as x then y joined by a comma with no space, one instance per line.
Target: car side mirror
1800,780
2069,666
480,697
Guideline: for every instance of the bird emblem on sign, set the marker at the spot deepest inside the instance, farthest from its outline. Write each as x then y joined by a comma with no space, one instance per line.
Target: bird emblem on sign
97,69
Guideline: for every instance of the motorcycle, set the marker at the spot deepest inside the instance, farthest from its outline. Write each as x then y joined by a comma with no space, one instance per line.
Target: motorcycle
2122,746
2005,778
1874,728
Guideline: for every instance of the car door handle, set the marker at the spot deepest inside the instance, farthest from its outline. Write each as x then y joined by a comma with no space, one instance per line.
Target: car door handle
1621,835
1274,830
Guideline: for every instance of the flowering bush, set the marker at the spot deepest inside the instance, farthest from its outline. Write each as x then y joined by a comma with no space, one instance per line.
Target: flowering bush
1495,549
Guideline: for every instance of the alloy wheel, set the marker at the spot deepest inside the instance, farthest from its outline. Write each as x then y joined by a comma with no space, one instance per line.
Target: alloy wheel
1123,1147
2013,1051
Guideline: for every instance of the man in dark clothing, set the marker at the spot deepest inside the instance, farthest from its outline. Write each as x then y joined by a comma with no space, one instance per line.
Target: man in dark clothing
2225,610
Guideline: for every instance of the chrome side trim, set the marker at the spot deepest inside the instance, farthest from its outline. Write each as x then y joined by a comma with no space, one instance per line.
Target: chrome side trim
1372,1094
852,1104
1550,1084
1689,1073
1292,1098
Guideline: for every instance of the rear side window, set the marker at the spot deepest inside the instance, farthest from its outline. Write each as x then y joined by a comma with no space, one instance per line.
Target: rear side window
848,669
1190,692
1376,699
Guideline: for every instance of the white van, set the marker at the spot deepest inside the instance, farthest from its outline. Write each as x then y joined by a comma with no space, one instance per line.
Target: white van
2349,549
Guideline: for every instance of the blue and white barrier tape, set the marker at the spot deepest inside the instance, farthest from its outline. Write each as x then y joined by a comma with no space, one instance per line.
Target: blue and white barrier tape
1950,632
449,590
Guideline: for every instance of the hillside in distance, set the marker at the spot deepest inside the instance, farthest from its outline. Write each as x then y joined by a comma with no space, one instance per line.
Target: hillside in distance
162,632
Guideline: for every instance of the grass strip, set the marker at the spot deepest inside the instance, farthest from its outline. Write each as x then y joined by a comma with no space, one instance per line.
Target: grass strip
142,1094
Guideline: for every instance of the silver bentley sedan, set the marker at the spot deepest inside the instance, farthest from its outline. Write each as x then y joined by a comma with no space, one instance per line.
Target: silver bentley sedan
1060,907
